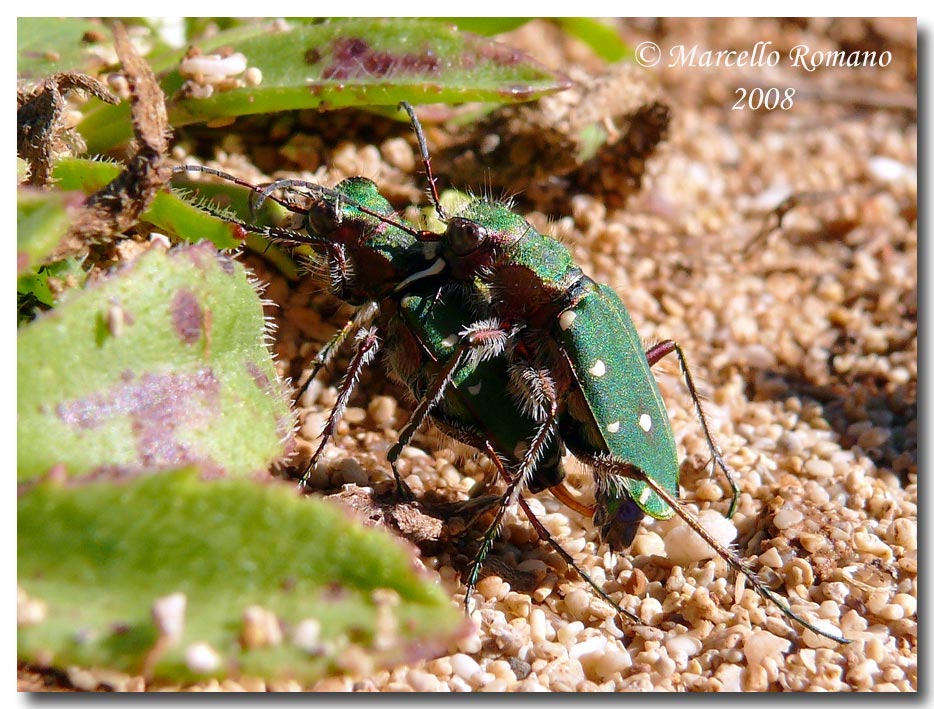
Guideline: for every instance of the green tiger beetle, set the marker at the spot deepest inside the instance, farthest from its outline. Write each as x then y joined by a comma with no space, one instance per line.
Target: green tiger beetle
566,380
374,261
578,363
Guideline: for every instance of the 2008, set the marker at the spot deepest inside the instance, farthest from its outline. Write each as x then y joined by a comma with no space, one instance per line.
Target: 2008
769,99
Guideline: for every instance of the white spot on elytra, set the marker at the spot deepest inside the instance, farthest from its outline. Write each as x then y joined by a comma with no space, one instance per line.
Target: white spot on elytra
645,422
644,497
613,427
475,389
566,319
598,369
449,341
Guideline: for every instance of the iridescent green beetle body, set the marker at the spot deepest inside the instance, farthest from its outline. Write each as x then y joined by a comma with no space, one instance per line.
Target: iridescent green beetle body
625,415
421,337
609,402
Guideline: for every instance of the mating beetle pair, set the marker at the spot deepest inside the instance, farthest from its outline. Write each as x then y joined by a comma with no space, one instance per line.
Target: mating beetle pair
494,317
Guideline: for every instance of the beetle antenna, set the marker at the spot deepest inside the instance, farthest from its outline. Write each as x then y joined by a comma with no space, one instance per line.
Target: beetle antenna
426,160
266,192
237,181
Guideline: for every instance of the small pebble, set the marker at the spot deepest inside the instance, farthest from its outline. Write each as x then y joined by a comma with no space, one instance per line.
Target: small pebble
577,603
260,628
819,468
354,415
594,644
889,170
350,471
470,644
253,76
201,658
683,643
771,558
464,666
168,613
684,546
760,645
908,603
567,634
306,635
788,517
382,410
871,544
422,681
648,544
903,532
538,626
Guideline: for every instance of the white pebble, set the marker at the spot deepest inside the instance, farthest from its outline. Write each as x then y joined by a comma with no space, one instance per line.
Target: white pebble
168,613
650,611
760,644
464,666
819,468
567,635
647,544
261,628
687,644
889,170
212,66
683,545
201,658
788,517
538,626
253,76
871,544
730,677
812,639
423,681
306,635
577,603
771,558
597,643
908,602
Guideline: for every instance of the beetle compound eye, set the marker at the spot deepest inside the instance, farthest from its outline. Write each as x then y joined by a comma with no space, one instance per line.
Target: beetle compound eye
324,216
465,235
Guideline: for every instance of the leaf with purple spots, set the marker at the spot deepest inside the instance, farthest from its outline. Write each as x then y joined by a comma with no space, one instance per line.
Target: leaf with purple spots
144,370
332,64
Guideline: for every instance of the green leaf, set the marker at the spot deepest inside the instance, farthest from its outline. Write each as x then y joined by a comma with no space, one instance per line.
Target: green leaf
69,274
161,364
46,45
602,39
339,63
94,559
42,220
484,25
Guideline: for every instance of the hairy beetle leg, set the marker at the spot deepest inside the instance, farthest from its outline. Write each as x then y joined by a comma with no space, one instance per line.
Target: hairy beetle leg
361,319
479,343
324,356
366,349
543,534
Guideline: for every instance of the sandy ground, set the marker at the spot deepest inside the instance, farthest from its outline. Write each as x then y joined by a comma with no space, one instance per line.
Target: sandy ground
802,336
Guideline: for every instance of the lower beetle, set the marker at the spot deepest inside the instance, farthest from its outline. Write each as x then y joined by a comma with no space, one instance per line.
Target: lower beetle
418,323
596,390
